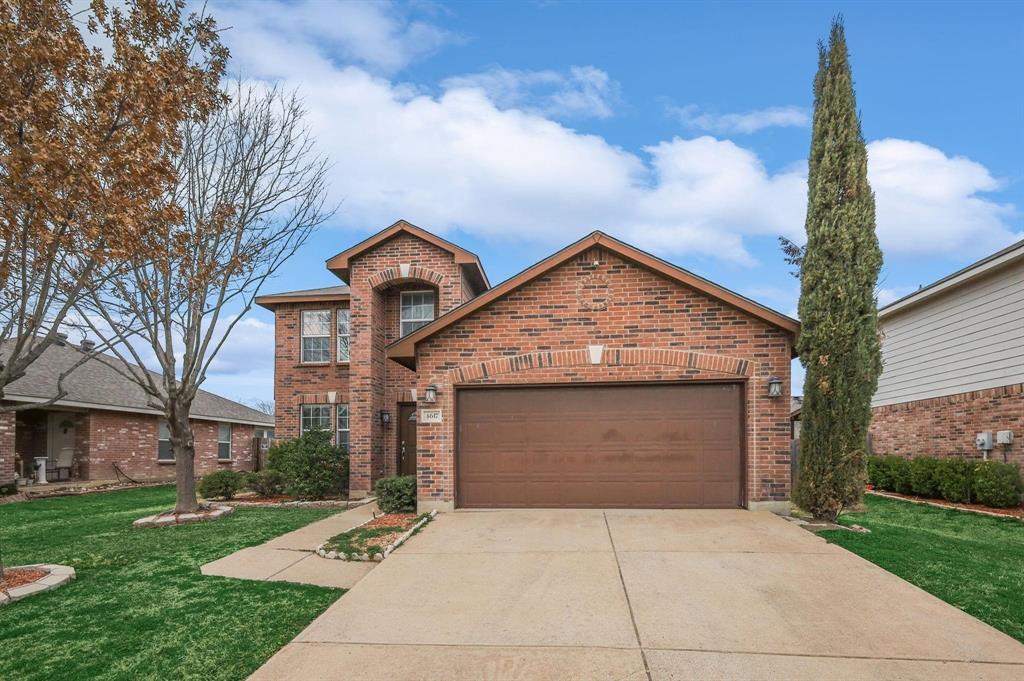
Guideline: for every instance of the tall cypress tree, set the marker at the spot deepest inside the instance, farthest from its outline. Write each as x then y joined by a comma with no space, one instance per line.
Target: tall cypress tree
839,341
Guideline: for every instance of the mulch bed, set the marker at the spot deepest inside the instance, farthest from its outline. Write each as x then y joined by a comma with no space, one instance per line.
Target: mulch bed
370,541
1017,512
15,577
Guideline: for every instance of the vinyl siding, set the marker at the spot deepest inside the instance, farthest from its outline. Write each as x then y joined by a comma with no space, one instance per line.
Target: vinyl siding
970,338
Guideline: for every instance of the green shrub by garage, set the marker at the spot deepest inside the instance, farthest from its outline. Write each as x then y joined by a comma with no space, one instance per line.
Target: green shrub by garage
311,466
997,484
396,494
955,479
265,483
221,484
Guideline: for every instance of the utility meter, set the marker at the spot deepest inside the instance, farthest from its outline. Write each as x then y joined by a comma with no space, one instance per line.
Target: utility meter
983,441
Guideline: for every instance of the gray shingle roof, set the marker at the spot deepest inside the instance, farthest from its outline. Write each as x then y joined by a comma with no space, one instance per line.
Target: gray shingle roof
97,384
324,291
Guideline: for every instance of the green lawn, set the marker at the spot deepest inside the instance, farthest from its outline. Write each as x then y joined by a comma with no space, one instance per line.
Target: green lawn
971,561
139,608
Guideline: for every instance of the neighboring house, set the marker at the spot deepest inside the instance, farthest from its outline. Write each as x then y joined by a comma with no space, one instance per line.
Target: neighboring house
105,421
796,404
600,376
953,355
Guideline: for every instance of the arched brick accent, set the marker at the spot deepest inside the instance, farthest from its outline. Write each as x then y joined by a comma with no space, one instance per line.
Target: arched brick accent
601,356
404,273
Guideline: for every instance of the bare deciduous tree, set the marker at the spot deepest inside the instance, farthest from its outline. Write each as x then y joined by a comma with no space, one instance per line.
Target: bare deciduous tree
264,406
88,142
253,188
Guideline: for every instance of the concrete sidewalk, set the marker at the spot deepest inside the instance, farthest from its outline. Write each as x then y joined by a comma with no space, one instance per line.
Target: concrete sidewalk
290,557
656,595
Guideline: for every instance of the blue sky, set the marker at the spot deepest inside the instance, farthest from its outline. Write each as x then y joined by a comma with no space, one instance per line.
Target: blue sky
515,128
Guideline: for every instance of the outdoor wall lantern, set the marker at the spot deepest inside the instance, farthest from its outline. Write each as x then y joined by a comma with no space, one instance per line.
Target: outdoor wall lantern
431,395
385,417
774,387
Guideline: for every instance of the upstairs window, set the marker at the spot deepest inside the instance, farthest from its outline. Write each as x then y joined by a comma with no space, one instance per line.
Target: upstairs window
417,310
315,417
316,336
344,349
224,442
163,450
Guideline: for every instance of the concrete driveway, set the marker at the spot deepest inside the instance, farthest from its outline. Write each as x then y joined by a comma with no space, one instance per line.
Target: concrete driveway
660,595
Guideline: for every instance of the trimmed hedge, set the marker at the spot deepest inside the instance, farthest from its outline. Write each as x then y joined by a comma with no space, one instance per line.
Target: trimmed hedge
311,466
955,479
221,484
265,483
396,494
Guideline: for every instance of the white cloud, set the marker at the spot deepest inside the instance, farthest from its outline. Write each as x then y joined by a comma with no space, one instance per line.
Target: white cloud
582,92
742,123
308,37
486,157
928,202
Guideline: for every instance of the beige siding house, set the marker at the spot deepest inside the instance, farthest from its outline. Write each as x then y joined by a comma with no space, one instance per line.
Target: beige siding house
953,362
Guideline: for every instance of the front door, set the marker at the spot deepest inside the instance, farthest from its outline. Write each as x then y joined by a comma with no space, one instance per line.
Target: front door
407,439
61,440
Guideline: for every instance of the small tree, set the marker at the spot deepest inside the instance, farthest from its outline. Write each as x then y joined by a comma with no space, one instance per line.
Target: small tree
252,188
87,148
839,341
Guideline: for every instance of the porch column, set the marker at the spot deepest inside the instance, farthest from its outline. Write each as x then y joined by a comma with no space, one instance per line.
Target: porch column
7,437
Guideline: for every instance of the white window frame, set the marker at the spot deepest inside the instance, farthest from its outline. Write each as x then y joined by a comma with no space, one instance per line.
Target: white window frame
421,321
303,418
303,336
161,425
344,333
221,441
338,430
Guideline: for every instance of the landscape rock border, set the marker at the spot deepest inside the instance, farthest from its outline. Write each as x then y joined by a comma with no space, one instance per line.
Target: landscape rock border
326,503
377,557
56,575
169,518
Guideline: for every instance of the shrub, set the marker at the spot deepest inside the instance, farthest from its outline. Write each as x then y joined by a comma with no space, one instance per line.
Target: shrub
312,468
8,487
899,474
955,479
396,494
997,484
875,471
221,484
924,476
265,483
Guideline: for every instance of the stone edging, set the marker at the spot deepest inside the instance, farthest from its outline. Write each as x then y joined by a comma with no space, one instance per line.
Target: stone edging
949,506
377,557
166,519
326,503
57,575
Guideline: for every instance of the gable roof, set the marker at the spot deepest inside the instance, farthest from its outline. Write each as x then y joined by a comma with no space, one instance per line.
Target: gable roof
999,259
468,261
309,295
97,384
403,351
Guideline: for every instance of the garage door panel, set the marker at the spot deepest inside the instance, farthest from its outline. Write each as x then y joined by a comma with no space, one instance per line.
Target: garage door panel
674,446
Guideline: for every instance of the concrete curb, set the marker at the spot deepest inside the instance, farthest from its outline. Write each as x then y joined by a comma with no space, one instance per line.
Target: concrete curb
377,557
57,575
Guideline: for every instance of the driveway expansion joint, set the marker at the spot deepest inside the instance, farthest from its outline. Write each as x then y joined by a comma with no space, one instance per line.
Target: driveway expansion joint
629,604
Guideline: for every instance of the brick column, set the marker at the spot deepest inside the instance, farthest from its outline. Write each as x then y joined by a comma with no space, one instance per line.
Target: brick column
7,433
366,351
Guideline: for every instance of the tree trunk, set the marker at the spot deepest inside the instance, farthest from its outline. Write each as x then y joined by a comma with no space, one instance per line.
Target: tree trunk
184,446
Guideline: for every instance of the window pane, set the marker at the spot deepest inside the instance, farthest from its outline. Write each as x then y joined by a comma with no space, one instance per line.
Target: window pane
224,451
164,452
315,417
316,349
343,322
343,417
344,349
223,432
316,323
165,430
343,439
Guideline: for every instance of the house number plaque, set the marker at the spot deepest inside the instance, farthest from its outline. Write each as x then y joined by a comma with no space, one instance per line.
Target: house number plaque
430,416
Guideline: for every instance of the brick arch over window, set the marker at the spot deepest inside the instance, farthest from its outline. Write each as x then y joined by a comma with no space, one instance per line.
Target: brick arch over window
599,355
400,274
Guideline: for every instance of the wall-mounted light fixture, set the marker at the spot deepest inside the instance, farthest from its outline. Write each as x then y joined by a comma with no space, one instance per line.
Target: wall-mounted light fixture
431,394
385,417
774,387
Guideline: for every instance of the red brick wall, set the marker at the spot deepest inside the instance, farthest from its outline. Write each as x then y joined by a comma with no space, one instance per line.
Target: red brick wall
651,329
7,438
295,382
946,426
373,384
130,441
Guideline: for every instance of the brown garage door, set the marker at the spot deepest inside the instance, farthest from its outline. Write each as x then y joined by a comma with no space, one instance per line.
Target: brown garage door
639,446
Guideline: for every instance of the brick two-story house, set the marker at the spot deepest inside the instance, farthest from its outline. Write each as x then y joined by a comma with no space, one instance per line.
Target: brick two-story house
601,376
